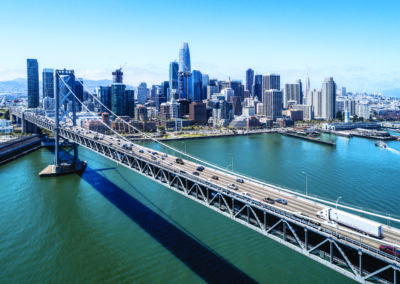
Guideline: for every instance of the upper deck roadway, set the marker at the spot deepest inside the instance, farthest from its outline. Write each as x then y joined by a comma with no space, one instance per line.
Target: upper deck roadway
250,189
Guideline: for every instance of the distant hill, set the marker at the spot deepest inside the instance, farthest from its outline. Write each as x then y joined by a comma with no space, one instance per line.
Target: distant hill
20,86
13,86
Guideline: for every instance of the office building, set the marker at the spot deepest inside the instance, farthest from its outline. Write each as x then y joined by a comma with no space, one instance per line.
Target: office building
184,75
291,92
328,92
315,101
205,80
142,93
238,88
228,93
130,103
273,104
198,112
211,90
257,87
249,80
197,86
307,90
33,83
118,105
173,75
48,83
236,105
271,82
105,98
363,110
118,76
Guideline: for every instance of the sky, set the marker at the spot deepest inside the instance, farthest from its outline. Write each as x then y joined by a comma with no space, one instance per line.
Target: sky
355,42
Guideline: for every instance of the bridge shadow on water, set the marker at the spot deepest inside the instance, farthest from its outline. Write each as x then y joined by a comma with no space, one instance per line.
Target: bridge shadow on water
203,261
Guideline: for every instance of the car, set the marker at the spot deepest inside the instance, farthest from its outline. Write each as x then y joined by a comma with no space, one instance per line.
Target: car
215,177
170,164
154,153
182,171
200,168
246,194
233,186
179,161
141,151
240,180
110,144
157,162
281,201
165,156
196,173
390,250
269,200
123,146
154,158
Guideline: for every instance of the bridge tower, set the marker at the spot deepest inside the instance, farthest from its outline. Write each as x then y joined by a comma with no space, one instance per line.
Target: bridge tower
65,162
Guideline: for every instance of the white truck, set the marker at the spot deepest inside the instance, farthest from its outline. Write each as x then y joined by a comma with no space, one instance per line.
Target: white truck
352,221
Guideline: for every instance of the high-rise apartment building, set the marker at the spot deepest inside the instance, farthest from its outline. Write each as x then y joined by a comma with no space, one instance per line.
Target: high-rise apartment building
48,83
33,83
328,93
249,80
273,104
105,97
307,90
130,103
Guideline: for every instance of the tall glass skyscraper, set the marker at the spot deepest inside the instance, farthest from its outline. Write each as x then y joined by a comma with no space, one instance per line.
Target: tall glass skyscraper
118,98
197,86
328,96
185,79
173,75
249,80
33,83
257,87
48,83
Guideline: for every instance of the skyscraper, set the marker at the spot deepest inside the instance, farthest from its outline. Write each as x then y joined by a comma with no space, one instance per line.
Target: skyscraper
197,86
301,101
130,103
271,82
105,97
328,96
173,75
257,87
249,80
118,105
185,79
272,104
33,83
307,90
118,76
237,86
205,80
291,92
78,90
315,101
48,83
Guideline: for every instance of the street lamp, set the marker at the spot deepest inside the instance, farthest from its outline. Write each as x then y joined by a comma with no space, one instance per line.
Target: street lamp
185,145
304,173
337,201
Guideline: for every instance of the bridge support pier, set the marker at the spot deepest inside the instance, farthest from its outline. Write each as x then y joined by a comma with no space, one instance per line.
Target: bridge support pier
394,276
331,251
360,262
64,95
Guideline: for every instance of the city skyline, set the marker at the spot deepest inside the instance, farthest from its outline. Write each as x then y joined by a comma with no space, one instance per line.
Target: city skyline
351,46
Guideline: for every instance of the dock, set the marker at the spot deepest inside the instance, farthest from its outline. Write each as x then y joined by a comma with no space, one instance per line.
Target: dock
312,139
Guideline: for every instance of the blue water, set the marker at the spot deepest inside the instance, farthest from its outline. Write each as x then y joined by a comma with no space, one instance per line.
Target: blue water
116,226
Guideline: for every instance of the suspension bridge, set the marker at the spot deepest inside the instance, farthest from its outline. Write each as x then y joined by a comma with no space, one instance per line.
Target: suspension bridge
288,217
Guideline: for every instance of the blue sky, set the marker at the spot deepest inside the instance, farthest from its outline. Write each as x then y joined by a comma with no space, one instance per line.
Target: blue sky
356,42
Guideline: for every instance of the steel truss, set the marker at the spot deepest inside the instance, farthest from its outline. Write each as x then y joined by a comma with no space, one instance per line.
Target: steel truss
284,228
